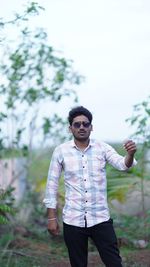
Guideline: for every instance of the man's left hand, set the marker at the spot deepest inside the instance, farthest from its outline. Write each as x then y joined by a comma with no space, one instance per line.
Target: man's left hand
130,147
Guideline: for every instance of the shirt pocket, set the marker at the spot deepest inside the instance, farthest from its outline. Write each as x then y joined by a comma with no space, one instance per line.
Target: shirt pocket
97,166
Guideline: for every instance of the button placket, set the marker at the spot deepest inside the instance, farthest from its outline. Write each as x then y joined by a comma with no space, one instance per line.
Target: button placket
85,179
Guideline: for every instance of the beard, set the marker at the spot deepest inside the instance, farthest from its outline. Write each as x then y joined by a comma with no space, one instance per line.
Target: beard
82,138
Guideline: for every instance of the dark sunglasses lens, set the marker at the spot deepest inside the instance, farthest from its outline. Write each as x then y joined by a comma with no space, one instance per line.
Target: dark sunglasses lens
86,124
78,124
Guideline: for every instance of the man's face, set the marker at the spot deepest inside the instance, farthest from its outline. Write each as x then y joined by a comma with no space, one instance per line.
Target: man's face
81,128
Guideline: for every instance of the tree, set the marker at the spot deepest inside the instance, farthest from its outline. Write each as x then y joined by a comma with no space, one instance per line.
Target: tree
35,76
35,80
140,121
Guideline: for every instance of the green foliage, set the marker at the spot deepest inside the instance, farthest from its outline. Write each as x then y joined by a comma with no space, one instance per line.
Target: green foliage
14,153
132,227
35,77
140,121
6,205
119,184
33,8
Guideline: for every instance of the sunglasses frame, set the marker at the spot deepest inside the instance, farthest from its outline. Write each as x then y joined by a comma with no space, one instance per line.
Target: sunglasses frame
85,124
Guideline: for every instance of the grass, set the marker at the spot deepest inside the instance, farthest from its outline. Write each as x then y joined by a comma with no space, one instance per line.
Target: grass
32,258
38,249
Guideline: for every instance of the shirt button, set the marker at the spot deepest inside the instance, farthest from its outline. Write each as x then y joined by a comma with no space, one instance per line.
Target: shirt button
85,191
84,179
83,166
86,200
82,155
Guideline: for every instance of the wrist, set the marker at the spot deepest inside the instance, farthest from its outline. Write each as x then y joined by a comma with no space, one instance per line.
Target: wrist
52,219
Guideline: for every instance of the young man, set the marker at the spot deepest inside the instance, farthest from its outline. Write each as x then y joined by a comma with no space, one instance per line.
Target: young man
86,212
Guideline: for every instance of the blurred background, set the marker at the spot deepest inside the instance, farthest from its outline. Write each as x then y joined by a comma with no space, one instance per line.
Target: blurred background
55,55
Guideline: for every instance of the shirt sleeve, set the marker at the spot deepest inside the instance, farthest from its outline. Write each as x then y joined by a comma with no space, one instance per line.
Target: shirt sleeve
116,160
54,174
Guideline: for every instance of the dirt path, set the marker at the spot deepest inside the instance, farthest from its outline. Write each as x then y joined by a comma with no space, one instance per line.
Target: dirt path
51,256
141,259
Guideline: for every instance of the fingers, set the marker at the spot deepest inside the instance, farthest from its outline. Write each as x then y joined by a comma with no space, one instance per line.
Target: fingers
130,146
53,228
53,232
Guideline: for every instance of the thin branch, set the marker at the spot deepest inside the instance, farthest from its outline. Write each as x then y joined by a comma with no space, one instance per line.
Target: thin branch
16,253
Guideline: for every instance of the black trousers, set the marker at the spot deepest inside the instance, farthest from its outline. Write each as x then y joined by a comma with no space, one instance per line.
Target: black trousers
104,237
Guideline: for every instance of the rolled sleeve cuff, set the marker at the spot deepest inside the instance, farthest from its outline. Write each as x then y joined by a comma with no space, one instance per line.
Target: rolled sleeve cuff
133,164
51,204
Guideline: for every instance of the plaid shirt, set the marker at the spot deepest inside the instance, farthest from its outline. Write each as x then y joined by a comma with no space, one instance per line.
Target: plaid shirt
85,181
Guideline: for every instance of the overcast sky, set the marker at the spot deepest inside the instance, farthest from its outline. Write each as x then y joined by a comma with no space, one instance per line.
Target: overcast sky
109,42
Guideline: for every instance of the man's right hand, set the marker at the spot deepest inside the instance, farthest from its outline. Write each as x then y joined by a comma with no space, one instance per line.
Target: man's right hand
53,227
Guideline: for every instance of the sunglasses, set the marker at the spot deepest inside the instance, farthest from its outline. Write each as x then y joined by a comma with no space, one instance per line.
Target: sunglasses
78,124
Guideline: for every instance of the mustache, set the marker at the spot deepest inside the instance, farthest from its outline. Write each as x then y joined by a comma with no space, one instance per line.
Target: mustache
82,131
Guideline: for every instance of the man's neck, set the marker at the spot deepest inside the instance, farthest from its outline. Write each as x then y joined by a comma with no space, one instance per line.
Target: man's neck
82,144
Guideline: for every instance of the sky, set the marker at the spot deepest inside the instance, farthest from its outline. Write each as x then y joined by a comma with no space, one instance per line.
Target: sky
109,42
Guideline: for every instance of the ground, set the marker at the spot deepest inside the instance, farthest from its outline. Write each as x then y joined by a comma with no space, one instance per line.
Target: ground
41,254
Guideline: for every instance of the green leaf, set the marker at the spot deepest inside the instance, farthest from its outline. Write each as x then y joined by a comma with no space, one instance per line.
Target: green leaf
3,220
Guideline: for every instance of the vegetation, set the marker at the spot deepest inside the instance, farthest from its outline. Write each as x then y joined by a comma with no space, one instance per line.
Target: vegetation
31,245
6,205
140,121
36,76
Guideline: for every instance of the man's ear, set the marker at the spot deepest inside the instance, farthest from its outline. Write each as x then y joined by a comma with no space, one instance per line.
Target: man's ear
70,130
91,127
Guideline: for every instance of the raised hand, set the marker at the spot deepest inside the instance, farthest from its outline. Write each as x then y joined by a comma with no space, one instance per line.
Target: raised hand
130,147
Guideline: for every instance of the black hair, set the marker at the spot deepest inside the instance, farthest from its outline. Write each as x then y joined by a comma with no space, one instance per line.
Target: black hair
77,111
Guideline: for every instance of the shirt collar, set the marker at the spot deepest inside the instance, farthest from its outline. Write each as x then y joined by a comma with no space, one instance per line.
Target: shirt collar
91,143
